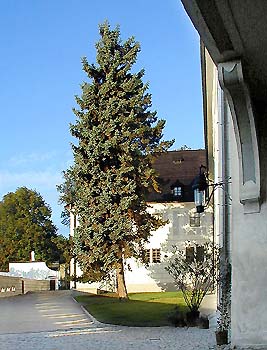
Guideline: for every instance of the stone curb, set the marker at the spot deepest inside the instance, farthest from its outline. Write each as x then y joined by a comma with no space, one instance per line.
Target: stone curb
94,320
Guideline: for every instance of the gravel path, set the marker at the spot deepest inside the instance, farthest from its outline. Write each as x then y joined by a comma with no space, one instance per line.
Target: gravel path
45,327
111,338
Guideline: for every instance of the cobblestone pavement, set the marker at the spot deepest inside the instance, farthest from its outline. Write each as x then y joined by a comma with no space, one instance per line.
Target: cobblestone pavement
111,338
53,321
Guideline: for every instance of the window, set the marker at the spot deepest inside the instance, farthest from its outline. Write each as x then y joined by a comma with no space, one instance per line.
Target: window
156,255
190,254
194,253
147,255
200,253
177,191
153,255
194,220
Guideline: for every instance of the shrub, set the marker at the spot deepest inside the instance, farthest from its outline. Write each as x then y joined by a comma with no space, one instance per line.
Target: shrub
194,272
177,318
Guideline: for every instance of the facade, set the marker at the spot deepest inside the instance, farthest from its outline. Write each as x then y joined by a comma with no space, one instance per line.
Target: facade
175,204
235,103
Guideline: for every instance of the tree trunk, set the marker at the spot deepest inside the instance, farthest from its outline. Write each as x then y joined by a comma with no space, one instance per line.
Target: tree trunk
121,286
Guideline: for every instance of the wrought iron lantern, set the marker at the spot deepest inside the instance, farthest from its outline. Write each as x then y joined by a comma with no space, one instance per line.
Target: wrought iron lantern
200,185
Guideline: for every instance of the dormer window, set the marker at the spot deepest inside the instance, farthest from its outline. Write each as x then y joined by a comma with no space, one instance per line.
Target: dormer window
177,191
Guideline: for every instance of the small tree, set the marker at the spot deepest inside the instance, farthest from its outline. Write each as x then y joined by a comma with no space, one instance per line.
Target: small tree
194,271
118,137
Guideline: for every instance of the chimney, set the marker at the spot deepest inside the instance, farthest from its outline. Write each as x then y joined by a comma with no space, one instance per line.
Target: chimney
32,256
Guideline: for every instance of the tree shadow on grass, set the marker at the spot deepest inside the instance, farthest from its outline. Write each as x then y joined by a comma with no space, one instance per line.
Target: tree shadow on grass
153,312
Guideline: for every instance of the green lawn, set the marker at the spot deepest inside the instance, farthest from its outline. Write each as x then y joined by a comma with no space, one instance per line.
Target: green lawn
142,309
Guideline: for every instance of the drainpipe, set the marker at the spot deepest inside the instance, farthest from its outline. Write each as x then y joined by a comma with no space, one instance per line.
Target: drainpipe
224,113
227,200
227,211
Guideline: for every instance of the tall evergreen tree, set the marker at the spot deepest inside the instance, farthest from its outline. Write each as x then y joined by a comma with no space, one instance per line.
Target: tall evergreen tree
118,138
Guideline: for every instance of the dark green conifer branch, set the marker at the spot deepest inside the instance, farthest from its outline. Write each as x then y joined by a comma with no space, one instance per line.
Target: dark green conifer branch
118,138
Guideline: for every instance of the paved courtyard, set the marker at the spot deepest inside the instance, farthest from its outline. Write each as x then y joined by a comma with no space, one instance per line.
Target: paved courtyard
53,321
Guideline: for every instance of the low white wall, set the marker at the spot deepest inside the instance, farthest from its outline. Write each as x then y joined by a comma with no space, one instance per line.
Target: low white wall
34,270
35,285
10,286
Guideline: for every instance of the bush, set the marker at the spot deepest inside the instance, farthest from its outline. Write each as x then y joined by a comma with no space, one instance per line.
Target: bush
194,274
177,318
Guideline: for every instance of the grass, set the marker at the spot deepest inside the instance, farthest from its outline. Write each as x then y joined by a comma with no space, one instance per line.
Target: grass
142,309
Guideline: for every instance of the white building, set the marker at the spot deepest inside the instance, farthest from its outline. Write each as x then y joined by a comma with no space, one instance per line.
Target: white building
176,170
235,103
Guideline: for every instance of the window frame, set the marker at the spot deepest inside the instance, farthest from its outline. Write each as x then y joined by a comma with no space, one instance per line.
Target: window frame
153,255
194,220
177,191
195,253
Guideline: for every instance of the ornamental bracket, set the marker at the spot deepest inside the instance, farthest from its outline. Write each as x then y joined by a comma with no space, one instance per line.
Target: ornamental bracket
232,82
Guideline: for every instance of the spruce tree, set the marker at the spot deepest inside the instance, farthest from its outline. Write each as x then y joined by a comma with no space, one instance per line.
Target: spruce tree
117,139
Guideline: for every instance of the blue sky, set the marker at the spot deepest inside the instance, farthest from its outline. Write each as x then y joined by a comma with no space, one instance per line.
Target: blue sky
42,42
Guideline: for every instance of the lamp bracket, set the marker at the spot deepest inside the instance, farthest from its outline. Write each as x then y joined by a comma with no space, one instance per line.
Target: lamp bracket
217,185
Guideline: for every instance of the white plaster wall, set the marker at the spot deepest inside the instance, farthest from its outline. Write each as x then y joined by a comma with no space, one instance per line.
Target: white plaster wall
175,232
215,142
32,270
248,245
248,239
249,262
73,222
218,151
88,287
154,277
248,233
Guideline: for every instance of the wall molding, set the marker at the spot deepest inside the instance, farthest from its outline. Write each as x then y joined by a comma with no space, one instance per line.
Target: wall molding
233,84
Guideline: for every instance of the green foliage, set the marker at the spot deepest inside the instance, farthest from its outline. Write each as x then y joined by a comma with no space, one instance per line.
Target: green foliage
177,318
118,137
67,189
26,225
67,194
196,274
65,217
64,249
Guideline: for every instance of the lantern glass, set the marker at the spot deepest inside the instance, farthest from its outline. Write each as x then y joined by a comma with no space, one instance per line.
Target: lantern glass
199,197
